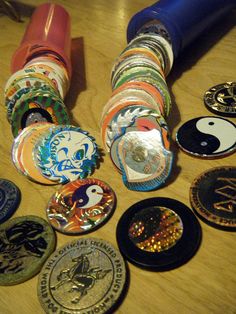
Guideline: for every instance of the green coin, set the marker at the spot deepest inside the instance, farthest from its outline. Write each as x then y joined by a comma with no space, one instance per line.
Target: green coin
25,244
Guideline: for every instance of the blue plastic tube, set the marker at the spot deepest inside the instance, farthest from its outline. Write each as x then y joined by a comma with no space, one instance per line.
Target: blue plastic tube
183,19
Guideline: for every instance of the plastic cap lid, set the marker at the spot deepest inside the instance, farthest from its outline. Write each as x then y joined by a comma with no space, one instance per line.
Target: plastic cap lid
48,30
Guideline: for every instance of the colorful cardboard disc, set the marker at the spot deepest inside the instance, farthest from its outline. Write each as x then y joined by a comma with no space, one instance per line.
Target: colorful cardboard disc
144,161
122,119
66,153
81,206
38,107
22,152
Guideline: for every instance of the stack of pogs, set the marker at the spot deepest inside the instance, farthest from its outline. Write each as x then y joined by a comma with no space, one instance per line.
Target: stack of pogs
133,123
34,102
35,93
47,148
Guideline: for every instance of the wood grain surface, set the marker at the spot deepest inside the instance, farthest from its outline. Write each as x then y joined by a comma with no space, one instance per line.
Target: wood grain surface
207,283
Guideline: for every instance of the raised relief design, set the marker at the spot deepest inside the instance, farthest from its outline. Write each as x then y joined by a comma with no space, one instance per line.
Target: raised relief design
18,243
228,190
81,276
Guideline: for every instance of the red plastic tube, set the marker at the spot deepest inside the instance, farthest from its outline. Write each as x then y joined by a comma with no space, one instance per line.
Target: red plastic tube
47,32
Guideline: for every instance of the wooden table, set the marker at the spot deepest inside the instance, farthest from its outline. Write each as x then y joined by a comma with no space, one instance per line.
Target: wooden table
207,283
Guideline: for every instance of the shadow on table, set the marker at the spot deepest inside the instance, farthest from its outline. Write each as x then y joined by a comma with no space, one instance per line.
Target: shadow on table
78,79
187,59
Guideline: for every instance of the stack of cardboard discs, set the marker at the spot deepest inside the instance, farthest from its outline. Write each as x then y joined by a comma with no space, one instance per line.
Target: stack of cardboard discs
36,92
47,148
41,125
133,123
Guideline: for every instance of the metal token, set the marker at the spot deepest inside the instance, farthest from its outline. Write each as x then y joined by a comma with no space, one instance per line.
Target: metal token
221,99
66,153
156,27
10,197
213,197
81,206
87,275
207,137
26,243
158,234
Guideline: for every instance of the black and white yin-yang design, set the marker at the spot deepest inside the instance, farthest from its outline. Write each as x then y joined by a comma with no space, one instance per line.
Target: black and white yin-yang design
207,136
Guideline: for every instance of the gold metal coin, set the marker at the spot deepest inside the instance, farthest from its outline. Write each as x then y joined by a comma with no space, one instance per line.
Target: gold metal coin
84,276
